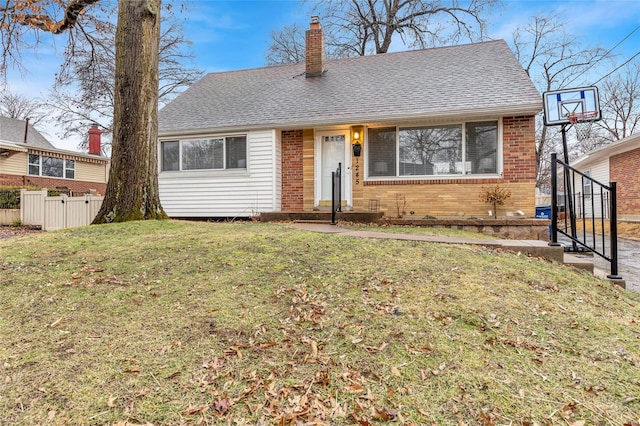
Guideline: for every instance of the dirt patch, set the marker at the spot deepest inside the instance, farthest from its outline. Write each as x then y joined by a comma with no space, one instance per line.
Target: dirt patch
16,231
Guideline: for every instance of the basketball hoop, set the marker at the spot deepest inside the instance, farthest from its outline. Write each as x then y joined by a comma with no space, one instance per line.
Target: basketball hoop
582,122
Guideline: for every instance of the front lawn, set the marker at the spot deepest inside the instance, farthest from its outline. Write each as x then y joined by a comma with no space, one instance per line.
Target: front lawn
174,322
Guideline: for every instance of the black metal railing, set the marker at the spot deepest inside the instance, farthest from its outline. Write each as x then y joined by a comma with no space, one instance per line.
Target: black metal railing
336,193
594,204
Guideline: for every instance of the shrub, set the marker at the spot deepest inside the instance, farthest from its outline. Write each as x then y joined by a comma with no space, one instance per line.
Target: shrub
494,195
9,198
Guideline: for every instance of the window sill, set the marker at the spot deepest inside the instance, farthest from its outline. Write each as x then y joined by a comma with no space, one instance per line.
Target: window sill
52,177
434,180
208,172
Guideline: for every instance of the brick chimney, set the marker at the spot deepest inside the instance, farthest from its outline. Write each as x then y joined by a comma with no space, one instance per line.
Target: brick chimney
315,49
94,141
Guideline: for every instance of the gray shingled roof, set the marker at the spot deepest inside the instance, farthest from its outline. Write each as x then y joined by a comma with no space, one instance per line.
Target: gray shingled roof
12,130
481,78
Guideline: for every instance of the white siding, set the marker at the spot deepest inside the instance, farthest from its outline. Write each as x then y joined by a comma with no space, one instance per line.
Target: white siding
598,171
227,193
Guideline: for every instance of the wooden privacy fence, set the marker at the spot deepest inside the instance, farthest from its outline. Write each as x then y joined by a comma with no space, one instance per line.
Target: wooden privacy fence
62,211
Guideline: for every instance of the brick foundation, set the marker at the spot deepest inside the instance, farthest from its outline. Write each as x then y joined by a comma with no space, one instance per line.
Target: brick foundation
52,183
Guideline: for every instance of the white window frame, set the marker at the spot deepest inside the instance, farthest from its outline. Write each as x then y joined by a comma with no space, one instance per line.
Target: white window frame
64,167
499,152
224,168
586,185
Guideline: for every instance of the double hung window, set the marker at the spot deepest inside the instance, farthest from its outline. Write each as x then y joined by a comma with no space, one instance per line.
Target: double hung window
469,148
229,152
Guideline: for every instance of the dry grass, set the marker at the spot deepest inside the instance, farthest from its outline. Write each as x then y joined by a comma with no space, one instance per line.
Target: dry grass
419,230
195,323
629,230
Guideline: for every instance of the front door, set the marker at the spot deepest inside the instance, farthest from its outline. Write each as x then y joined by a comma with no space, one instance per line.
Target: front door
332,149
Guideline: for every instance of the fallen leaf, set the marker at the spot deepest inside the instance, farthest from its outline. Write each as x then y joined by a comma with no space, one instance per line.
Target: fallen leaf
356,388
221,406
385,414
395,372
56,322
190,411
111,401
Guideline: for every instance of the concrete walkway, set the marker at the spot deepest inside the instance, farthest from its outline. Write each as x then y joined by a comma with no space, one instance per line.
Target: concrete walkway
337,229
534,248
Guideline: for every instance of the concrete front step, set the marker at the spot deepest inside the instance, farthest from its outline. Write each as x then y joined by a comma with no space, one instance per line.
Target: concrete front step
554,253
579,261
534,248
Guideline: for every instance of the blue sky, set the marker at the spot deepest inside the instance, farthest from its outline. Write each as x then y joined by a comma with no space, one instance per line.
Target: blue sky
231,35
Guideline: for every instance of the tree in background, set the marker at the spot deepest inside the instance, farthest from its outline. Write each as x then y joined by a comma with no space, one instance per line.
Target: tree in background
363,27
287,46
83,91
132,191
20,107
553,59
620,104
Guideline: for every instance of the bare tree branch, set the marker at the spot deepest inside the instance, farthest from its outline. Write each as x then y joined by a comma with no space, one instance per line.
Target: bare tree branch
620,104
361,27
43,22
20,107
552,59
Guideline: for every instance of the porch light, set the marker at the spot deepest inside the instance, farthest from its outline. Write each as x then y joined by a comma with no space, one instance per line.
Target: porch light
356,134
356,137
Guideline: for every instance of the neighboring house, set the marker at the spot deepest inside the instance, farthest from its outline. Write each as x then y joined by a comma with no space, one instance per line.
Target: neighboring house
616,162
432,128
28,159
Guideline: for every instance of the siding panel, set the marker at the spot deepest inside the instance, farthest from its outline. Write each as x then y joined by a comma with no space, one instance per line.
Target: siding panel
90,172
225,193
591,204
15,164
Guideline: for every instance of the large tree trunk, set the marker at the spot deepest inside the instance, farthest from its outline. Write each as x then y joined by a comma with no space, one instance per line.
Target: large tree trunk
132,191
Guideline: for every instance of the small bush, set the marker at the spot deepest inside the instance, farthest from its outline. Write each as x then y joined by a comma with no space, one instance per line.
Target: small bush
494,195
9,198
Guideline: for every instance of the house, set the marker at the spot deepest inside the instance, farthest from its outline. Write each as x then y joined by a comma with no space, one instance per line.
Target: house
27,158
616,162
426,128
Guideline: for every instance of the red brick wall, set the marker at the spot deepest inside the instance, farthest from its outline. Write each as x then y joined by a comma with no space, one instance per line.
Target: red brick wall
624,169
519,135
52,183
12,180
292,171
314,50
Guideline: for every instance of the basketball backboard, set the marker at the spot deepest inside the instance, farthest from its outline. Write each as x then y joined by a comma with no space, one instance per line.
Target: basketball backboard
561,106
